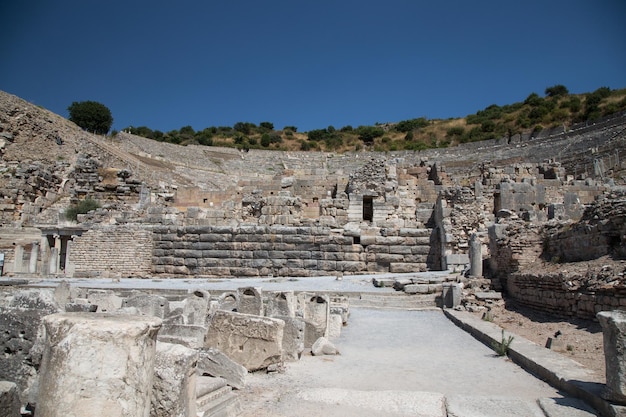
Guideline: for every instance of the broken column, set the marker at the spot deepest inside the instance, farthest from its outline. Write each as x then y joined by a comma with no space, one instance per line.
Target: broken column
614,339
476,256
97,364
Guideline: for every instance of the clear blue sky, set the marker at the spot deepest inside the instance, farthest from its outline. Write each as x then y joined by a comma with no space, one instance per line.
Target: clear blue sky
166,64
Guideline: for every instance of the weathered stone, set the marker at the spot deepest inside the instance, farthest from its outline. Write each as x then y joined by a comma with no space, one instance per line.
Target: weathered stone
451,295
104,361
323,346
80,308
213,362
614,338
316,317
335,324
148,304
196,308
174,389
252,341
9,400
293,337
62,293
189,335
106,300
250,301
280,304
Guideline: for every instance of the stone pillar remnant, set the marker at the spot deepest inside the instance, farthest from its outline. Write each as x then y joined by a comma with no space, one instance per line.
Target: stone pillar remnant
34,254
476,256
614,338
97,364
19,258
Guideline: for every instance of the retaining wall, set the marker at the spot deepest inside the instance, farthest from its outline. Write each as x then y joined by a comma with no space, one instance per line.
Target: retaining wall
244,251
558,293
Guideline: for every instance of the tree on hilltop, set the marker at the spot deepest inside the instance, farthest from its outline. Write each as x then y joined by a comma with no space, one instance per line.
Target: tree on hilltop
92,116
557,91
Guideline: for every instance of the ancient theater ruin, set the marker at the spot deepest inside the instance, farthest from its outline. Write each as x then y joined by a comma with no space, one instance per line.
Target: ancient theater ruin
197,267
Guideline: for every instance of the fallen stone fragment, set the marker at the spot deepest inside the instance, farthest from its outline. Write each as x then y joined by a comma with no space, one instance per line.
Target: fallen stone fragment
214,363
323,346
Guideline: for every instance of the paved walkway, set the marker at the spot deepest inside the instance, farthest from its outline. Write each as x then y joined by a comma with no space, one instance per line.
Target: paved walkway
406,363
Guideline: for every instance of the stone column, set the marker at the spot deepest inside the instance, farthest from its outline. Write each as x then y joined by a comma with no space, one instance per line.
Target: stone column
476,256
54,259
97,364
18,258
614,338
34,253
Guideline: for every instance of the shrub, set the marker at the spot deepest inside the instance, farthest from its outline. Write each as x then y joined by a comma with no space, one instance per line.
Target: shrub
502,347
83,207
265,140
368,133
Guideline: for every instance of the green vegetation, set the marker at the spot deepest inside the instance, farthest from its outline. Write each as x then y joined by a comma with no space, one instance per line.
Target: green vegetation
502,348
557,108
83,207
91,116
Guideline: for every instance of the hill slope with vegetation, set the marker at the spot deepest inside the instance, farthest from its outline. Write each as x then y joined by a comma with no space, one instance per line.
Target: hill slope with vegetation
556,108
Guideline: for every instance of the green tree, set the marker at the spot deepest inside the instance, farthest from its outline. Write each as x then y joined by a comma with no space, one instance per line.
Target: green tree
557,91
368,133
92,116
265,140
267,125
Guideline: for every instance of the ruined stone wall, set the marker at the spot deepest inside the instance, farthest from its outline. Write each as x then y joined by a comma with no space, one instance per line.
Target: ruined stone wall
252,250
562,294
110,251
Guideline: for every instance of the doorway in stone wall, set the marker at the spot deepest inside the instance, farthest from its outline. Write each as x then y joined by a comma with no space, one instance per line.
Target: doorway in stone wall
368,208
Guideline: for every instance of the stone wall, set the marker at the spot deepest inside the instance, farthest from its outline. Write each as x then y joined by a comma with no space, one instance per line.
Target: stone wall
111,251
287,251
562,294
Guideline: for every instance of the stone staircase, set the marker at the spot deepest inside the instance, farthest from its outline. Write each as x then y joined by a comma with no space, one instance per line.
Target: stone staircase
214,398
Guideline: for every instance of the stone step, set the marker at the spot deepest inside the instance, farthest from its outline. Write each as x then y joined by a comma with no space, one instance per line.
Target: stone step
397,300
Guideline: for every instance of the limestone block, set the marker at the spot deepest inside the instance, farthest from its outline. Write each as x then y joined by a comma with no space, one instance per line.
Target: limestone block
316,316
280,303
106,300
335,325
323,346
293,337
196,308
228,301
62,293
451,296
102,362
250,301
417,289
174,389
9,400
213,362
614,339
189,335
252,341
149,304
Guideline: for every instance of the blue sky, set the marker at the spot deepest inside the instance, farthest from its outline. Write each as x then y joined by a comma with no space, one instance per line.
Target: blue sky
310,64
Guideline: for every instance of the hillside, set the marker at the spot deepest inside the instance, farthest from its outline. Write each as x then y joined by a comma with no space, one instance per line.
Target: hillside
534,114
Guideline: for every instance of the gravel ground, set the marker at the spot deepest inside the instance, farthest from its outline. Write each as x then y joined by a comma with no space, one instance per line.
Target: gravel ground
581,340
